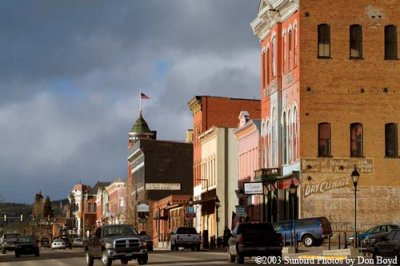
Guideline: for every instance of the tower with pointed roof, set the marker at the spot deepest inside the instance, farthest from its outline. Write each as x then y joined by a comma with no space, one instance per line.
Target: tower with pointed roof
140,130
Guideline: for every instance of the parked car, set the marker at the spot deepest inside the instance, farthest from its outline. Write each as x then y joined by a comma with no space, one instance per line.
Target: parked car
26,245
7,242
149,242
58,244
78,242
310,231
45,242
255,239
368,243
186,237
67,242
388,248
381,228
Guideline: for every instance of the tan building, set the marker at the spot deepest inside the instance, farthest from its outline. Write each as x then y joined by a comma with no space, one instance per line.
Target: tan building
219,181
333,66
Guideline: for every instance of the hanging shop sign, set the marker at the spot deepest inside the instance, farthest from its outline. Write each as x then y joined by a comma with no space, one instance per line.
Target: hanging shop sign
253,188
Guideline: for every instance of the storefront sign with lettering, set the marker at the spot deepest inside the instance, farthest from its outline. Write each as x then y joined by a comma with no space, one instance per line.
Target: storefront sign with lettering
326,185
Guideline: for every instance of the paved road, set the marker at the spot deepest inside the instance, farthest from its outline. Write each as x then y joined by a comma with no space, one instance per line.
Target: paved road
76,257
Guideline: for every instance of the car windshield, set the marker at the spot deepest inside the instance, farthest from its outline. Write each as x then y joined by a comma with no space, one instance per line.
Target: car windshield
25,239
256,227
186,230
119,230
8,236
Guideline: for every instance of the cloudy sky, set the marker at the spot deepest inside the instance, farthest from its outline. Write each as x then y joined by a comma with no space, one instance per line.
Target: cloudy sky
72,71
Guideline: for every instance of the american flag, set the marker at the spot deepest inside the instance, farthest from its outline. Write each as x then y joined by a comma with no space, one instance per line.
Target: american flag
144,96
235,220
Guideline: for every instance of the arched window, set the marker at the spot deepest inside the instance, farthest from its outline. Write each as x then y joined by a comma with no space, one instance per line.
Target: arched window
274,139
268,65
391,140
268,146
356,140
290,40
263,74
284,139
356,42
324,41
324,139
274,55
295,140
290,137
285,65
295,44
390,42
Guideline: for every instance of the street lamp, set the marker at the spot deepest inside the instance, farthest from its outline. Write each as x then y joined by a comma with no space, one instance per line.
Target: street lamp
217,205
292,191
355,175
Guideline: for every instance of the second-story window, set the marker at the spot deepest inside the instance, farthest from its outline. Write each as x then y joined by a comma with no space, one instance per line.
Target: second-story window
324,41
290,50
356,140
324,139
391,140
390,42
356,42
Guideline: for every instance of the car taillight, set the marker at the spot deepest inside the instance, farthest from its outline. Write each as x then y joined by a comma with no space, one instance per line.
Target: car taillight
280,237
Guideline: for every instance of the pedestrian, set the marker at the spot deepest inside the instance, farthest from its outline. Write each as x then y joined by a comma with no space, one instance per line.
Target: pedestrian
227,235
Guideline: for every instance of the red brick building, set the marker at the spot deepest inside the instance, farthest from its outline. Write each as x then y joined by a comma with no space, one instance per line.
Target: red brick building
330,93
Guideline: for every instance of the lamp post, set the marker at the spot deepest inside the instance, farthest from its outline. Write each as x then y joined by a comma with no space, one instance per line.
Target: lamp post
355,175
292,191
217,205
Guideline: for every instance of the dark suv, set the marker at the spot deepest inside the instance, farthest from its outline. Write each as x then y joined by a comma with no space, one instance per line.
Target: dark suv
310,231
254,239
8,241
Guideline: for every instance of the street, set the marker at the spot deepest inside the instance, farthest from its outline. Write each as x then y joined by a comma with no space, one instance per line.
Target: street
76,257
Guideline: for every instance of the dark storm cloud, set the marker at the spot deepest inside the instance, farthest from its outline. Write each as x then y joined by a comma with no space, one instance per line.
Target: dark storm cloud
72,71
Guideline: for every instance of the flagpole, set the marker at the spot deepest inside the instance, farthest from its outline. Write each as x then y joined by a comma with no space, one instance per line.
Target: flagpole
140,99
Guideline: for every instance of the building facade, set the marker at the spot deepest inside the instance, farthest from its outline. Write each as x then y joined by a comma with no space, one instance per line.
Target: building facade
329,100
208,112
218,181
248,161
157,169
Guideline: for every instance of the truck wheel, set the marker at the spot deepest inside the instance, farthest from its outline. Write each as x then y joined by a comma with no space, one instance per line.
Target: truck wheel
105,260
308,240
232,258
143,259
172,247
16,255
89,259
198,247
240,258
3,251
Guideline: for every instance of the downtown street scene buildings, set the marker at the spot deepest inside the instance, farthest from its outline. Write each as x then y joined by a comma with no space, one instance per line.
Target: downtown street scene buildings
328,107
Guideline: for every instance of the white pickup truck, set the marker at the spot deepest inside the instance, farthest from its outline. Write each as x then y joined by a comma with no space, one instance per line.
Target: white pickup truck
186,237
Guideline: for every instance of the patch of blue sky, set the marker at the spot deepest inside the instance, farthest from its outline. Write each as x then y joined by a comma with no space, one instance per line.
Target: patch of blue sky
64,88
162,68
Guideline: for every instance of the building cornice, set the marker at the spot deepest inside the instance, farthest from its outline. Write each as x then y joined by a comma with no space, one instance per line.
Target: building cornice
270,13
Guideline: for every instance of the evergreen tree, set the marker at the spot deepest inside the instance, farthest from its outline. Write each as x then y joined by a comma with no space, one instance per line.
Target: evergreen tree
48,209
